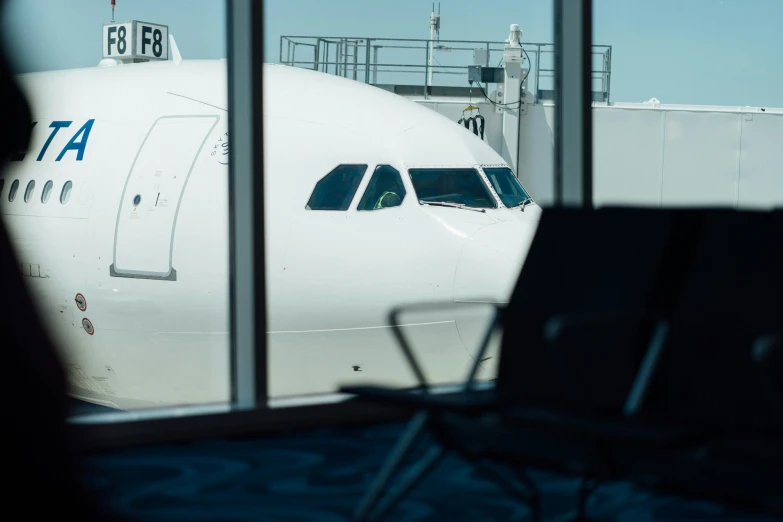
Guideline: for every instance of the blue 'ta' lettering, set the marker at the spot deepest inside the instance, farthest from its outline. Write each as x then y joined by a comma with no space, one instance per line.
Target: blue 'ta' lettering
55,126
78,146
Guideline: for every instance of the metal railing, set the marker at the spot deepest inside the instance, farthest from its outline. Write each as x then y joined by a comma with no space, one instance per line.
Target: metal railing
358,59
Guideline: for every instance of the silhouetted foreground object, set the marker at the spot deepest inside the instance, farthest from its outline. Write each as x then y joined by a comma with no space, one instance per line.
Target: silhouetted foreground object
39,467
630,349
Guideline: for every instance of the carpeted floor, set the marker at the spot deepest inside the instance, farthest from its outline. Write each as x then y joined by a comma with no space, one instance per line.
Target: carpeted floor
320,475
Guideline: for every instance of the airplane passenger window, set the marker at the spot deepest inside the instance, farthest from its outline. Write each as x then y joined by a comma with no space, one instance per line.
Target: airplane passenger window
14,188
66,192
385,189
28,192
462,187
336,190
2,183
47,190
508,187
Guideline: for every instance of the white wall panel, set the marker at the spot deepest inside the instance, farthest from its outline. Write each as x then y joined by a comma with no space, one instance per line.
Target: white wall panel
700,163
761,163
537,153
627,156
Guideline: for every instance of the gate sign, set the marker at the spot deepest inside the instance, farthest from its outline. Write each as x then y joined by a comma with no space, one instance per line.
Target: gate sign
135,40
152,41
117,41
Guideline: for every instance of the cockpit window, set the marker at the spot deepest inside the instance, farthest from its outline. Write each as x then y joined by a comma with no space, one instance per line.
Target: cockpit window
507,186
384,190
454,186
335,191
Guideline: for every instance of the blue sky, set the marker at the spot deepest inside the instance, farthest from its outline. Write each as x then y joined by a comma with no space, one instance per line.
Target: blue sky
723,52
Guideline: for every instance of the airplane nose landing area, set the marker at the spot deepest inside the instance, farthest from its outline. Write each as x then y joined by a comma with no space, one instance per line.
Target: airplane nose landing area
491,261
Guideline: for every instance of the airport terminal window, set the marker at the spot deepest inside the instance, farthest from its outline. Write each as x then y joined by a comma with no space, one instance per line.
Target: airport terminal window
456,186
335,191
14,188
384,190
28,192
507,186
47,190
66,192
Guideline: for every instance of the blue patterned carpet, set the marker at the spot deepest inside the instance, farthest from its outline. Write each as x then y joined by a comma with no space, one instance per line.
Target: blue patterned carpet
320,475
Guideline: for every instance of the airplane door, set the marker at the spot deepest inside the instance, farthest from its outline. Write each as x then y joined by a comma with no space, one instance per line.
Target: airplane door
147,217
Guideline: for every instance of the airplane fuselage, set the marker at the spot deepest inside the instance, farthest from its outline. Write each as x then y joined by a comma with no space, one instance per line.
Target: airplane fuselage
126,250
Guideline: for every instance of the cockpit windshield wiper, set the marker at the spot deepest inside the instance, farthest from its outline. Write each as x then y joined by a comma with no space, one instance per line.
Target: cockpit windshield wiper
524,203
451,205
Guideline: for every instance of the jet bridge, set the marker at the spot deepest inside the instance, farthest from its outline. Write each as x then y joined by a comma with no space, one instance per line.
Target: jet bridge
402,65
436,73
646,153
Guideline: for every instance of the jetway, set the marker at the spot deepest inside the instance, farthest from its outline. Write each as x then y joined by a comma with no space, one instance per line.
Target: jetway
422,66
643,153
654,154
661,155
436,73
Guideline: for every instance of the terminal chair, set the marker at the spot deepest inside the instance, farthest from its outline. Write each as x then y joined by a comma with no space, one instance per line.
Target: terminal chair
561,401
722,369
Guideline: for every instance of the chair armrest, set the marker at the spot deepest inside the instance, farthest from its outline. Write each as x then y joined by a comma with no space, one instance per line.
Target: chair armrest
460,402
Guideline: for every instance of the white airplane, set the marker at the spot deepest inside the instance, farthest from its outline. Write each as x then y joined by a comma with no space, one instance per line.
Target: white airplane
119,215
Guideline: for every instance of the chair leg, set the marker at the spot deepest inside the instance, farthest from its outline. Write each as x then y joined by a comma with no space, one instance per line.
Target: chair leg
414,476
519,485
586,487
534,497
390,465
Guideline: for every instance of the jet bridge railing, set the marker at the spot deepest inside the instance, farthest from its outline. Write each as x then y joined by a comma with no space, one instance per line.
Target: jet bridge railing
398,61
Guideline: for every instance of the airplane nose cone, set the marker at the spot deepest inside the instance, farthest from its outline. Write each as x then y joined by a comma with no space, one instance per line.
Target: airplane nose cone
533,212
491,261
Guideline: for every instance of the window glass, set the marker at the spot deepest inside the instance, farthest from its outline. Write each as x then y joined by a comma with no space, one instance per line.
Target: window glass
456,186
174,162
336,190
507,186
28,192
47,191
384,190
2,183
66,192
14,188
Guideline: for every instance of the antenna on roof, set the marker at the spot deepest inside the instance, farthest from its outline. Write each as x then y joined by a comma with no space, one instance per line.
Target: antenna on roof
113,5
434,36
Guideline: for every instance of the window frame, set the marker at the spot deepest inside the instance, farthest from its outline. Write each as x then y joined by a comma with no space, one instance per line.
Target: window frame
66,195
367,187
479,172
29,190
249,410
12,190
353,196
495,193
47,194
573,163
